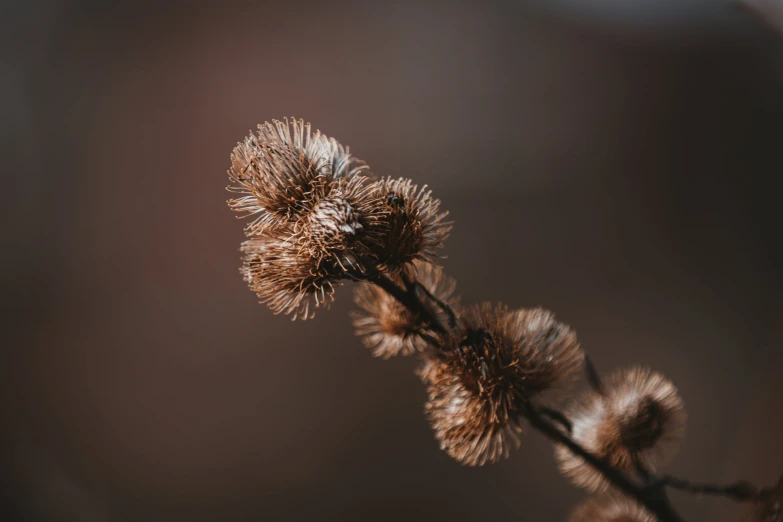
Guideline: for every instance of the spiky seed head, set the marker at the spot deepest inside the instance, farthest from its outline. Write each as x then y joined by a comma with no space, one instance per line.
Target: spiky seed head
386,326
286,279
640,419
343,224
610,508
275,169
480,385
415,227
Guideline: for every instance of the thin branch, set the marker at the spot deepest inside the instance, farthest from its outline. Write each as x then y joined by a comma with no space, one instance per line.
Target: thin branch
651,492
432,341
558,417
443,306
662,510
655,501
644,474
409,284
593,377
741,491
408,299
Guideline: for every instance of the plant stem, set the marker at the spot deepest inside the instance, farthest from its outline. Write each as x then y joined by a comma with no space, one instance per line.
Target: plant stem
409,300
655,501
558,417
443,306
651,494
741,491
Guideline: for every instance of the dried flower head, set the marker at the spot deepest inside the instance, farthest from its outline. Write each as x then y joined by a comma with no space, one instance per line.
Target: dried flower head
610,508
640,419
480,385
275,170
343,222
387,327
415,226
287,279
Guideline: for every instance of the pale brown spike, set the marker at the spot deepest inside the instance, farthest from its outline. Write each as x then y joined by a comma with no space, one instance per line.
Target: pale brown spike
274,170
288,281
415,226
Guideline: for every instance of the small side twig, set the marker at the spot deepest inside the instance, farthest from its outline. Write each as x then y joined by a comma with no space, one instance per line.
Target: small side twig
644,474
443,306
655,502
593,377
407,299
558,417
741,491
432,341
650,490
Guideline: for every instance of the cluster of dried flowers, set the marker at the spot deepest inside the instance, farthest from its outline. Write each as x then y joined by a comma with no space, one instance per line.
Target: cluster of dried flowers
319,217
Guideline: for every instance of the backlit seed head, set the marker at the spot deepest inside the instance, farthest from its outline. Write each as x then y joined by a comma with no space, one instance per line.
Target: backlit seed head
641,419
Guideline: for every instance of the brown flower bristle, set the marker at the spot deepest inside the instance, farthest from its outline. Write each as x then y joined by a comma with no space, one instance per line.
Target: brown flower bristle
641,419
386,326
480,385
610,508
286,279
415,226
274,171
342,223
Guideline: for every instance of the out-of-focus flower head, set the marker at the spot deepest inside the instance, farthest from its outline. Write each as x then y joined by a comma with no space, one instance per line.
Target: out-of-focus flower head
639,420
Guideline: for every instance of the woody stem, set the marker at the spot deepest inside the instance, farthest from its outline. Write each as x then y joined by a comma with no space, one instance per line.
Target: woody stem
651,493
407,297
655,501
540,420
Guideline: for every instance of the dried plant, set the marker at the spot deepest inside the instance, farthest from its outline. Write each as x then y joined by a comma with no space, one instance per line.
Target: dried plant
490,372
637,420
387,327
415,228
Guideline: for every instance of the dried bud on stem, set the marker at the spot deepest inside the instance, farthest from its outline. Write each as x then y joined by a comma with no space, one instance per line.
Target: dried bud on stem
638,422
342,224
286,279
387,327
480,384
414,224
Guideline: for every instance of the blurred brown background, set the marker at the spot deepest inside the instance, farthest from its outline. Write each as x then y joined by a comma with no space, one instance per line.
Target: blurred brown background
616,164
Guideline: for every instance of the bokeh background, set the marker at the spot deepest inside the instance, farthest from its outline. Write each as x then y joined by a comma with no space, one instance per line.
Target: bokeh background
616,162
